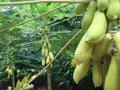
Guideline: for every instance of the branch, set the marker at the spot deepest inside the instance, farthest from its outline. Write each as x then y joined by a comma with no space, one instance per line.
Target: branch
42,1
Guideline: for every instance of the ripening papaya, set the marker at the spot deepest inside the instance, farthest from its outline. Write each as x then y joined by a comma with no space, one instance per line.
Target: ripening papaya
43,62
81,71
80,7
47,59
83,51
51,56
97,73
101,48
88,17
97,29
112,80
102,4
113,11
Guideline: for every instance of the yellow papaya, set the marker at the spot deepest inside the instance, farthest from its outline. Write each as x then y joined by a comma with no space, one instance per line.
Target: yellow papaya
81,71
10,72
43,62
80,7
51,56
88,17
83,51
97,73
113,11
102,4
112,80
46,53
47,59
7,69
43,50
97,29
101,48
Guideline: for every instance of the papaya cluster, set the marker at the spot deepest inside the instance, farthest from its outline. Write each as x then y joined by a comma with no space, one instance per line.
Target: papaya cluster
99,48
9,70
47,55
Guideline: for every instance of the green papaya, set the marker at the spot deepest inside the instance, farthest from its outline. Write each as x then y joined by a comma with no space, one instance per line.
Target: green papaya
83,51
97,29
113,11
112,80
81,71
102,4
88,17
97,73
80,7
101,48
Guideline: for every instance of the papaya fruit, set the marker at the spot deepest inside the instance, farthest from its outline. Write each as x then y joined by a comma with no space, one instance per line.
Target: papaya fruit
102,4
83,51
80,7
97,73
81,71
97,29
112,80
101,48
113,11
88,17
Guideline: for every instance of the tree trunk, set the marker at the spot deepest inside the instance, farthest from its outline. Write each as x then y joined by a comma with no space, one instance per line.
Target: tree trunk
49,79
